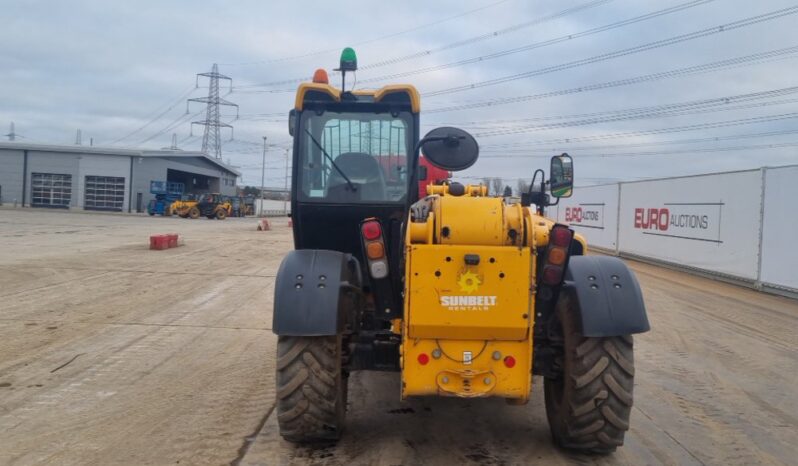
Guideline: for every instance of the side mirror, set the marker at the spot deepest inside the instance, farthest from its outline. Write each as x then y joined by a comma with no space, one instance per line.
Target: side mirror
291,121
561,176
449,148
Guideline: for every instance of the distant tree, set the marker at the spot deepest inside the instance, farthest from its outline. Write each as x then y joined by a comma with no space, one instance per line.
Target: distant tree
498,184
275,195
486,182
508,191
250,191
523,186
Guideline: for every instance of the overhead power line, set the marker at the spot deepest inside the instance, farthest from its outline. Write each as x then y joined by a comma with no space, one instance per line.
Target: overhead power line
624,52
673,129
537,45
489,35
736,62
746,60
521,148
665,107
449,46
184,118
372,40
158,115
661,111
241,141
660,153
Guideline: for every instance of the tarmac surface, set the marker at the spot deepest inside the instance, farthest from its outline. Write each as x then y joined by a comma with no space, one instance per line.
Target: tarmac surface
114,354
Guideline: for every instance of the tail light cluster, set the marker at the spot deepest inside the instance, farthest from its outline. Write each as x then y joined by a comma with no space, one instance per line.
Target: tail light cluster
374,248
560,239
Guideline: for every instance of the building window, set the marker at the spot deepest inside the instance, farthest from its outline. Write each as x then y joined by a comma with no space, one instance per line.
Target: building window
51,190
104,193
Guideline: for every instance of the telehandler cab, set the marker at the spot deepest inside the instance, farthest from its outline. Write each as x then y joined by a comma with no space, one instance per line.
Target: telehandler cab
466,295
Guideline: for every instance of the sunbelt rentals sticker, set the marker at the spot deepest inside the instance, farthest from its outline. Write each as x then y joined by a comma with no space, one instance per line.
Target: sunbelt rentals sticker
469,283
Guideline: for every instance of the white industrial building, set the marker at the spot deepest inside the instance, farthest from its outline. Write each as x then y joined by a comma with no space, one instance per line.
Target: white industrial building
102,178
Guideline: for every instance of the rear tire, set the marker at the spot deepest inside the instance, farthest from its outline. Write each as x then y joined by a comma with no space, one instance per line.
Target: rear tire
311,389
588,407
194,213
221,214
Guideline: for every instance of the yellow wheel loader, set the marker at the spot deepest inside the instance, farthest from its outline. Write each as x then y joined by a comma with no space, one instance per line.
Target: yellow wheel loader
465,295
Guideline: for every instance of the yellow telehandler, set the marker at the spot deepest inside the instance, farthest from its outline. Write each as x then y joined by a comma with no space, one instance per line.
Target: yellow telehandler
466,295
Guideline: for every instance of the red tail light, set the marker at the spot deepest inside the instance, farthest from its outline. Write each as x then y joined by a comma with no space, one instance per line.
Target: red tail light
552,275
423,359
561,236
509,361
371,230
374,248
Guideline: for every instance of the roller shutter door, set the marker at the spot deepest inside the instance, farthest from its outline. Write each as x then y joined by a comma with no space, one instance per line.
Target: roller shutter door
51,190
104,193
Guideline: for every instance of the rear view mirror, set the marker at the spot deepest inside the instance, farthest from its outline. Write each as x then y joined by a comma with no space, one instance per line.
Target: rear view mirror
450,148
291,121
562,176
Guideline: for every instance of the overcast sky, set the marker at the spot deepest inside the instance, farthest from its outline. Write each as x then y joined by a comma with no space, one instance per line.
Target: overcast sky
111,68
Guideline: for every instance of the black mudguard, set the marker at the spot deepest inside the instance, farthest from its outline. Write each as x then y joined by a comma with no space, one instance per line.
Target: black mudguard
317,293
609,297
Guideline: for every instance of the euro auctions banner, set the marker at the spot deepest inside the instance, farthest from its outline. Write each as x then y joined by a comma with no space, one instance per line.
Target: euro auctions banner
709,222
592,212
698,221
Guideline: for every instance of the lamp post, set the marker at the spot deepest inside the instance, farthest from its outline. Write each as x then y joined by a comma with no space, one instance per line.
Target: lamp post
262,177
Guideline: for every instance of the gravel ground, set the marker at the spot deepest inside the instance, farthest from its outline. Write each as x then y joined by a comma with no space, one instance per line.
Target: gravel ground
114,354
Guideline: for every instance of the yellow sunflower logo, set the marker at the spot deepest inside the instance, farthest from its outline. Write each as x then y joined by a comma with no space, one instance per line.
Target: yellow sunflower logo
469,282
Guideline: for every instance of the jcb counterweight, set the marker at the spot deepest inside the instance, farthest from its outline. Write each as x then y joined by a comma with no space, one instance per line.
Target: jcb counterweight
467,295
468,306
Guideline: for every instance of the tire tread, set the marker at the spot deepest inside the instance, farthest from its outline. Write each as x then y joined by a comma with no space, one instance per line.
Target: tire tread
594,416
309,384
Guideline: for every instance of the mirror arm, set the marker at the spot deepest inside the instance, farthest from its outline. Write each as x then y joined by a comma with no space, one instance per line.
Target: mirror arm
448,139
534,177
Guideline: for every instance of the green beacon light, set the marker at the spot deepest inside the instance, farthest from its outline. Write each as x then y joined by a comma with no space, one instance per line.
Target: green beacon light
348,63
348,60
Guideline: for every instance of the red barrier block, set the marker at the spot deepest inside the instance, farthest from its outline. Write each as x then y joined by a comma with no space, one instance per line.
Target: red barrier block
159,242
172,239
264,225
